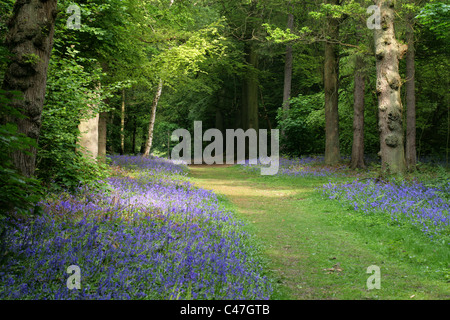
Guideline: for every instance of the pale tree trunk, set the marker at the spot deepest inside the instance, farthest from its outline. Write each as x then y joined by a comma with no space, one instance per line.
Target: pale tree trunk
151,126
410,152
331,83
89,136
102,136
287,73
388,52
89,129
357,160
122,124
30,41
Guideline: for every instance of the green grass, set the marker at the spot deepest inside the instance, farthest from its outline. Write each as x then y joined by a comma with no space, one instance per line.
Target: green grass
314,248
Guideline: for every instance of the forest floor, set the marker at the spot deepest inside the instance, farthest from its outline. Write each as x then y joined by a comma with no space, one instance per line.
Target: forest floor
312,251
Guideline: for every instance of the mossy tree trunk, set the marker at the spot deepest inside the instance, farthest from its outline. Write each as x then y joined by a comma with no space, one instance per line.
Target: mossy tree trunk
30,41
388,53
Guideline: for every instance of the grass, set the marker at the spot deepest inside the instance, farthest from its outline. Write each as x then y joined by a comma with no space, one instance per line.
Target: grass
315,248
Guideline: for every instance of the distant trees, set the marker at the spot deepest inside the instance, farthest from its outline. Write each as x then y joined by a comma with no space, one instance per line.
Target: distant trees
243,71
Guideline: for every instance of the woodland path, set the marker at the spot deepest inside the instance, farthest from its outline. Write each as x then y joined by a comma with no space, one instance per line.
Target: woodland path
309,255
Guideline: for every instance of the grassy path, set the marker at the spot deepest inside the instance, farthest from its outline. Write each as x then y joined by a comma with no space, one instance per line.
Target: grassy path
311,252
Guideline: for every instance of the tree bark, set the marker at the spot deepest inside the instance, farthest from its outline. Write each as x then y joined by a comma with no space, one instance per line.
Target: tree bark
288,70
89,136
388,52
122,124
287,73
331,74
357,160
133,142
30,41
251,89
89,129
102,134
410,152
151,126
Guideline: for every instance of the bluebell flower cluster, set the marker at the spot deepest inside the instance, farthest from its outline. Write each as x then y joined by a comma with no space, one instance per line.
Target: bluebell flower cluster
153,235
405,202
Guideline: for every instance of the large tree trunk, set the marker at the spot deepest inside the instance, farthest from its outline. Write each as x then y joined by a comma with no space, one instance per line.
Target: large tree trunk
89,136
388,52
89,129
151,126
30,41
102,136
331,74
410,152
357,160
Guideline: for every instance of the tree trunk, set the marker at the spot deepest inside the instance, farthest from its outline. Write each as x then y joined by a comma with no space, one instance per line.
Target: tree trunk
111,122
151,126
288,67
331,72
357,160
251,87
220,106
122,124
102,133
30,41
410,152
89,136
133,143
89,129
388,52
288,72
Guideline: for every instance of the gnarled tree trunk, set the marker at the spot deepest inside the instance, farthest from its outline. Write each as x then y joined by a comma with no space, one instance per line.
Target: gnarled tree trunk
30,41
388,52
